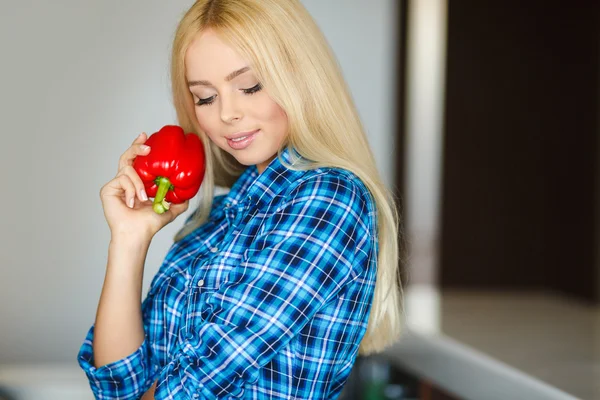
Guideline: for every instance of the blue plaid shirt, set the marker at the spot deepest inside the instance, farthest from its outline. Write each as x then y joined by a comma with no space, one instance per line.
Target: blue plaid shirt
269,299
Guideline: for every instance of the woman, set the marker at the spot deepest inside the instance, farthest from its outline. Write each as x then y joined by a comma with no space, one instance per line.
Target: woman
271,290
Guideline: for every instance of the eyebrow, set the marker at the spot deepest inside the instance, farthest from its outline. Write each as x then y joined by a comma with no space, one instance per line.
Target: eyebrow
227,78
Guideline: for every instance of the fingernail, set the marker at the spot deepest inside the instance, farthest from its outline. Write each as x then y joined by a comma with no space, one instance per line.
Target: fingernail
144,147
143,195
131,202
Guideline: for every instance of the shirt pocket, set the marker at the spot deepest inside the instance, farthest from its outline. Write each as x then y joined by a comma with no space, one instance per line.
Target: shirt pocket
209,275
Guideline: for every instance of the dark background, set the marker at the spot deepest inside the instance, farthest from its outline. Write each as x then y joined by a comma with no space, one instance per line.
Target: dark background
520,168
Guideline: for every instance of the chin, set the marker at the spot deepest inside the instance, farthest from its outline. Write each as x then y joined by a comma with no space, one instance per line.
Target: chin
245,159
246,163
249,160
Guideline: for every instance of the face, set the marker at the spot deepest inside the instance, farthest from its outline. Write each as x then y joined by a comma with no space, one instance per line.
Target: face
231,106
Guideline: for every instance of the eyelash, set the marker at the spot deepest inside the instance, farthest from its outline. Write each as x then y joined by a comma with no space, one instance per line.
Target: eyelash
210,100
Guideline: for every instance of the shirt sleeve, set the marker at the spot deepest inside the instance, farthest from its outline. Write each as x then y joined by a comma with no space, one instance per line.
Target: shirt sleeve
128,378
302,256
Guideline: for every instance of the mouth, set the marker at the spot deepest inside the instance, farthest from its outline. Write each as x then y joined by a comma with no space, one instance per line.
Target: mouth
240,135
242,140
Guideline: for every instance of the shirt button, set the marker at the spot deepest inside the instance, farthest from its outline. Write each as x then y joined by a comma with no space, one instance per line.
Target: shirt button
201,282
214,250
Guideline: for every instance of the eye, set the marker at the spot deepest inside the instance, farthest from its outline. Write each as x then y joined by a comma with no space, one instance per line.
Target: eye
253,89
209,100
256,88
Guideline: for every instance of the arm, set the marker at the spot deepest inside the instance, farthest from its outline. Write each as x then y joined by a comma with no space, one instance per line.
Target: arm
115,355
303,256
118,327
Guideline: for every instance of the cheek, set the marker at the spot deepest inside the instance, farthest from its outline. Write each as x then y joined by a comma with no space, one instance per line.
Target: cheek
277,115
204,119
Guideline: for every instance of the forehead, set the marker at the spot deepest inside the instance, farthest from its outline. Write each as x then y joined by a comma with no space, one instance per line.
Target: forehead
209,57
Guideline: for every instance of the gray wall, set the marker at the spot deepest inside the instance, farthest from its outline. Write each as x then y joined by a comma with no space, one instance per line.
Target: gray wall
80,80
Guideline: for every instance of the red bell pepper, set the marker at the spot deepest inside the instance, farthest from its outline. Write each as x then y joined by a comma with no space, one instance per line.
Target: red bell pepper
174,169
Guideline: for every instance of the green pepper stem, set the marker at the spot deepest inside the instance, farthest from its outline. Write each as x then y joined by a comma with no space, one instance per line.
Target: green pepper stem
160,205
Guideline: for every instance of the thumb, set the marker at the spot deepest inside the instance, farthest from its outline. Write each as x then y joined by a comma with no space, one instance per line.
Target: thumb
177,209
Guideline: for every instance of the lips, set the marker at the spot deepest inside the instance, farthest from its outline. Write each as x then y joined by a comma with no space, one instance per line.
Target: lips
243,143
241,134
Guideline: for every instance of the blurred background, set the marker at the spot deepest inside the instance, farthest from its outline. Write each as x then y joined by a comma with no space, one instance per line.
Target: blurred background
484,118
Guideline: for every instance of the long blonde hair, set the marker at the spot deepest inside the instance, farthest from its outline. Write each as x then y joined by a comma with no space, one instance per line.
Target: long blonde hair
294,63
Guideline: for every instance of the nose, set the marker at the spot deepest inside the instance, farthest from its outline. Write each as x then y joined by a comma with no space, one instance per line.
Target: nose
230,110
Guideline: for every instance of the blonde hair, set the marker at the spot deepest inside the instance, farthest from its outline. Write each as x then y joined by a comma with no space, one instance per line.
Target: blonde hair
296,66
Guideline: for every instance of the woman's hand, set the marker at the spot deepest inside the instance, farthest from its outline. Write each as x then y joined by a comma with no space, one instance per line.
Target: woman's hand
127,208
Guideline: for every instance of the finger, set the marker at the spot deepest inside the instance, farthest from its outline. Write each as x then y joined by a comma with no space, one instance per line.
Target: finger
131,153
140,189
113,188
121,187
124,159
174,211
182,207
129,188
178,209
140,139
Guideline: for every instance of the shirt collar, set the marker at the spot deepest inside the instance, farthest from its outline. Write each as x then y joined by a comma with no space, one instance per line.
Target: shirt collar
258,188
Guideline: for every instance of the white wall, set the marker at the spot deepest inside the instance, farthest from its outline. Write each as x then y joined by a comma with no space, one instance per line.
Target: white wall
80,80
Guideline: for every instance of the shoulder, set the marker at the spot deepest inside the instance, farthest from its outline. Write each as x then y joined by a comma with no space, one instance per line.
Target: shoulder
333,185
330,195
